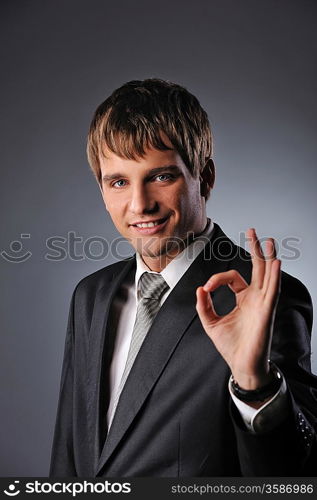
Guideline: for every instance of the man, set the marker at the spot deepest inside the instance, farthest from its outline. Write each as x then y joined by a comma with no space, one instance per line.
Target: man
191,358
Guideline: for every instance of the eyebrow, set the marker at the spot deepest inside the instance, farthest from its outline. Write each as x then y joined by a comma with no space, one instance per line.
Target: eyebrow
150,173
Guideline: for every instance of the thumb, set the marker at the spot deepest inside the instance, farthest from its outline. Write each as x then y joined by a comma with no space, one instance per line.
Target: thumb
205,308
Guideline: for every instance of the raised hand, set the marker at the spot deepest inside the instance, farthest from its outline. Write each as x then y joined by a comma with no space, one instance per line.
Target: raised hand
243,337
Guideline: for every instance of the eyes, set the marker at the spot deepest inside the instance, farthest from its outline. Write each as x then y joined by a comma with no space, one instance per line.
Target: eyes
121,183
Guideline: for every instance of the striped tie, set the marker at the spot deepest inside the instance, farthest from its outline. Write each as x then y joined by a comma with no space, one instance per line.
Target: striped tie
151,288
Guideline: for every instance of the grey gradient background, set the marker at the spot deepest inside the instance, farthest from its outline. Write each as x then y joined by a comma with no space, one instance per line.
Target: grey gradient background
252,63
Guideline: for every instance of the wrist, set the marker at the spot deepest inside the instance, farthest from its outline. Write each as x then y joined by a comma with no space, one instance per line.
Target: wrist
255,380
260,391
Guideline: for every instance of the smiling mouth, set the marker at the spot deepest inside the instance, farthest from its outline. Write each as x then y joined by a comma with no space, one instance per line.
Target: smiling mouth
150,223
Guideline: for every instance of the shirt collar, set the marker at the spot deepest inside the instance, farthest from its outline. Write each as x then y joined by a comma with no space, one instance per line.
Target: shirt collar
173,272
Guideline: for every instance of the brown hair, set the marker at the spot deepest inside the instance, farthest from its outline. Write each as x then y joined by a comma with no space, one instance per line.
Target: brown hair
135,115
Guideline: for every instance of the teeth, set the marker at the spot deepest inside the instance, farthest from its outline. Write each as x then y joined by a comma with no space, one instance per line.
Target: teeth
147,224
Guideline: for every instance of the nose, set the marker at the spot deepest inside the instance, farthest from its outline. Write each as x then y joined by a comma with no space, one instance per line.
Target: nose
142,201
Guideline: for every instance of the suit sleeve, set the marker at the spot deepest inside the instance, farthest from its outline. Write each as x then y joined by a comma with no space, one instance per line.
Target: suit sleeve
290,448
62,457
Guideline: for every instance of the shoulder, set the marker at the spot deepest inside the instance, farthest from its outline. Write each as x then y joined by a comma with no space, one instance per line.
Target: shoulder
295,301
292,290
91,284
293,293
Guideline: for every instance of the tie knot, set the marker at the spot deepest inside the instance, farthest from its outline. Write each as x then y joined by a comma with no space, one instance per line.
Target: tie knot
151,286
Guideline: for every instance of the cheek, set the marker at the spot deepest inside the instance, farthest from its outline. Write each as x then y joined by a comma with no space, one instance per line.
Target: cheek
178,195
113,205
114,215
186,199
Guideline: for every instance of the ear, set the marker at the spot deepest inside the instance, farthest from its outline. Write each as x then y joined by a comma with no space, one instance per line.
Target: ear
207,178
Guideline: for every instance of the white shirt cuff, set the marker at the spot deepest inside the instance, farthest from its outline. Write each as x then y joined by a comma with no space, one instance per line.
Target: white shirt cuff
264,419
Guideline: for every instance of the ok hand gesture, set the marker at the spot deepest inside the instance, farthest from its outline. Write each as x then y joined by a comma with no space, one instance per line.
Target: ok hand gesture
243,337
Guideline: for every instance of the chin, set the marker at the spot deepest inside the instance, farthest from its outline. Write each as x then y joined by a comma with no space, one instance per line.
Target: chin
155,253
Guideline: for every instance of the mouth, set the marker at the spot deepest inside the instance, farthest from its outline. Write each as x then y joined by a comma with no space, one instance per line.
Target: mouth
150,226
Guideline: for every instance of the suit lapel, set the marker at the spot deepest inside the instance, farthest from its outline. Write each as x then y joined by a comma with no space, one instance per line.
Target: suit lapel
170,324
97,339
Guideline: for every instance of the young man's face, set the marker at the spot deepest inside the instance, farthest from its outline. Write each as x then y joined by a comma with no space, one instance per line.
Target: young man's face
159,192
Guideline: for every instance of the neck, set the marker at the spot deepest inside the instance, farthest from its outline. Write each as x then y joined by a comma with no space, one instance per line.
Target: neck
159,263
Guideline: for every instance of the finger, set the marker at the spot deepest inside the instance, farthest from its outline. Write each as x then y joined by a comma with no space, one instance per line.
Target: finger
231,278
205,308
270,256
258,261
273,287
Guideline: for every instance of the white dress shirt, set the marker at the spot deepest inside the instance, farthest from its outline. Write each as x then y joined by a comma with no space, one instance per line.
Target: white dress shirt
255,420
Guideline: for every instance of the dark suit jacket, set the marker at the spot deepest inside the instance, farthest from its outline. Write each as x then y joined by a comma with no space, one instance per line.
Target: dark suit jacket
175,416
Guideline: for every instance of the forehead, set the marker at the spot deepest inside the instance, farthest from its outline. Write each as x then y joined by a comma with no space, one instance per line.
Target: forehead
153,158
